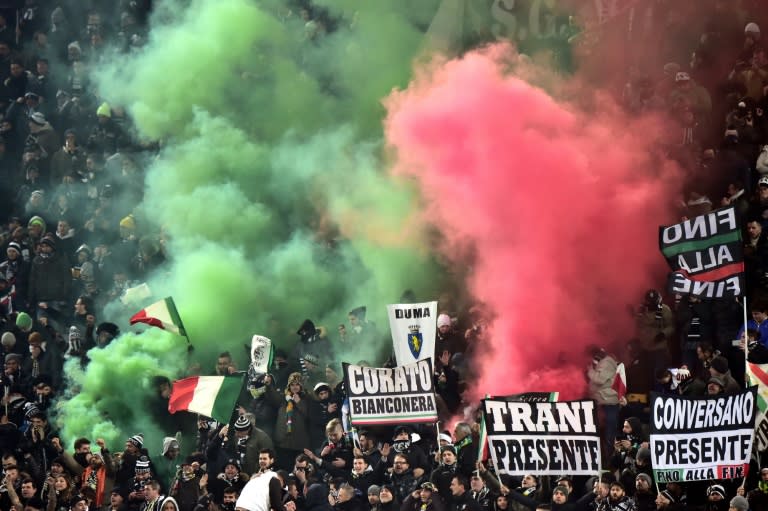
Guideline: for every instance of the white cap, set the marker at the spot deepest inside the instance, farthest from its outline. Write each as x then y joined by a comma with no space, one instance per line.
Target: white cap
752,28
682,76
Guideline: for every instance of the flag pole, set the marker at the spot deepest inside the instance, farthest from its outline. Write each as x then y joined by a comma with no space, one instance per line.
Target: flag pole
746,338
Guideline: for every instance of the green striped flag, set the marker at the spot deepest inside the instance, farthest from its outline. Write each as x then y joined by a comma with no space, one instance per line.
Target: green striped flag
705,255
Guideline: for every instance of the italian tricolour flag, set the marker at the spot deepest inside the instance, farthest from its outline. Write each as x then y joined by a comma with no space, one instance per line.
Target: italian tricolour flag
162,314
212,396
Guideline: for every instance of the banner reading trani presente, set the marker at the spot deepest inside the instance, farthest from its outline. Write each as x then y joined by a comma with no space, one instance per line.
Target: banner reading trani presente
380,395
694,439
542,438
705,255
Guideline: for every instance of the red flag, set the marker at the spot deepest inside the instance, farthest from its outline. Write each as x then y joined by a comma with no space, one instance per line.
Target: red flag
620,381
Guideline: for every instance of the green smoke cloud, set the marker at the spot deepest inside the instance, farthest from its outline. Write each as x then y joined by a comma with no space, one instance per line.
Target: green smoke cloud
269,187
116,388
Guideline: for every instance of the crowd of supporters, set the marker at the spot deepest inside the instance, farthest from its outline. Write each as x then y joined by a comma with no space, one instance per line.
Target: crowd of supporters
69,247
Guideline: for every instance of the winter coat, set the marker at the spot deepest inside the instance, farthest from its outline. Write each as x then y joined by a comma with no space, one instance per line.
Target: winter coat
601,377
441,478
317,498
49,279
298,438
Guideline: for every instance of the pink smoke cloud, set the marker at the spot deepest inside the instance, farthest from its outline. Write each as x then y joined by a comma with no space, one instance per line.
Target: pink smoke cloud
562,206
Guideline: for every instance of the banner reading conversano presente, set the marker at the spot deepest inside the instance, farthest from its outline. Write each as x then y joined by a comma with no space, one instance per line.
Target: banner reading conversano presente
694,439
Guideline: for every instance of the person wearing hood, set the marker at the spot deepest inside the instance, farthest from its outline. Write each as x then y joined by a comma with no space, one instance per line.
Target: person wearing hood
627,443
169,504
106,134
42,140
169,458
49,280
313,342
66,240
387,499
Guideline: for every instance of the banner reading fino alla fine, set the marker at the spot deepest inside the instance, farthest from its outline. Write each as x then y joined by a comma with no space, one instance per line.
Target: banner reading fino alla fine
542,438
381,395
413,327
705,255
695,439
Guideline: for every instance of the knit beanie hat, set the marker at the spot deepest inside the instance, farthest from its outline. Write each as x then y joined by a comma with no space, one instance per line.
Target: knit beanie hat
561,489
321,387
716,489
24,321
451,448
37,118
142,464
36,220
49,240
740,503
667,495
137,441
242,423
443,320
104,110
8,340
645,477
128,222
14,246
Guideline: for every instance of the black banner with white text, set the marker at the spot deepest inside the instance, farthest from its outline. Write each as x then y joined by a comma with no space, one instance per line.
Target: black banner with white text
544,438
381,395
694,439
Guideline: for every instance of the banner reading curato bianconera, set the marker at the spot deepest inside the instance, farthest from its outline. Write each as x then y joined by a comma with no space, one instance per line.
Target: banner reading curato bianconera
542,438
695,439
380,395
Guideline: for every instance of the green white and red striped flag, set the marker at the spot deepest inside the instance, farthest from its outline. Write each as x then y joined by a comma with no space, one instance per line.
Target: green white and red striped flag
758,375
162,314
482,440
212,396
